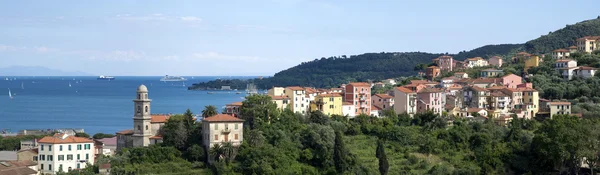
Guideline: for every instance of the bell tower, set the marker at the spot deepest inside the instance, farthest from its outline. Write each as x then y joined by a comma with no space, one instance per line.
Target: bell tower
142,130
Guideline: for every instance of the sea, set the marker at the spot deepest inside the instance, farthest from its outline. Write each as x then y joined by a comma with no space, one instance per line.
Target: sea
96,106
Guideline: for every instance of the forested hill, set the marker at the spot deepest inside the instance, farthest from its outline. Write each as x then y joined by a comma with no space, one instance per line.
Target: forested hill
333,71
564,37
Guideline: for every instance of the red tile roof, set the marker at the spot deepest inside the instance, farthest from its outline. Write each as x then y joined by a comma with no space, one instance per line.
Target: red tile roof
589,38
156,137
159,118
35,150
222,118
474,109
405,90
587,68
360,84
572,47
477,88
431,90
375,108
310,90
125,132
58,138
384,96
295,88
277,97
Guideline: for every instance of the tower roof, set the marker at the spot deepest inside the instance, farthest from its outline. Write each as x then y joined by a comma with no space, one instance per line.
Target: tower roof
142,88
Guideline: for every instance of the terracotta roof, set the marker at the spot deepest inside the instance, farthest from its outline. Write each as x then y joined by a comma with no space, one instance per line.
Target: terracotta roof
222,118
17,168
21,163
360,84
498,94
295,88
35,150
109,141
544,100
310,90
384,96
561,50
496,88
474,109
430,90
374,108
405,90
277,97
159,118
559,103
477,88
58,138
510,75
455,87
572,47
239,103
565,68
346,103
125,132
526,89
435,59
587,68
564,60
156,137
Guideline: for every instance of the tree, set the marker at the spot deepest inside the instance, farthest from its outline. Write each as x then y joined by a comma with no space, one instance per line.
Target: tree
82,134
258,110
208,111
195,153
102,135
175,133
189,119
340,154
380,154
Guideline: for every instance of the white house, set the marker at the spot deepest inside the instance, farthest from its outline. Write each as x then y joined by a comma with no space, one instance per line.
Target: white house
565,63
585,72
389,81
560,54
222,128
64,152
348,109
299,100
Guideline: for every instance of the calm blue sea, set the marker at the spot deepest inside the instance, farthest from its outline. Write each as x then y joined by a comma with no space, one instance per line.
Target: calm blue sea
96,105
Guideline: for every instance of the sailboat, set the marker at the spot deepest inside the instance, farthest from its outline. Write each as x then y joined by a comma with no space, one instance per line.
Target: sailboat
10,94
183,84
69,84
22,86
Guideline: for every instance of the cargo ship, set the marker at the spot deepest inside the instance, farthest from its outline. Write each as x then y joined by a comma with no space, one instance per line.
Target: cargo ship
102,77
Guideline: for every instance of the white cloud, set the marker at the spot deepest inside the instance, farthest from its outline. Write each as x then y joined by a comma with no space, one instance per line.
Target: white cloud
171,58
119,55
190,18
217,56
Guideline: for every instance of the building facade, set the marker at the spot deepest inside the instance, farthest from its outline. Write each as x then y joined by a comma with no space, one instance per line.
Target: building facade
405,100
222,128
496,61
432,72
588,44
491,73
560,54
329,104
299,100
445,63
359,94
64,152
383,101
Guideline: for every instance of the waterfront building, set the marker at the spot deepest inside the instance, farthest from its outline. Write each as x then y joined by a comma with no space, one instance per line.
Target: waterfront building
63,152
222,128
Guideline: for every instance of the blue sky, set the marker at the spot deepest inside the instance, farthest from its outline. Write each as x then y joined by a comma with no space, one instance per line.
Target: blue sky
259,37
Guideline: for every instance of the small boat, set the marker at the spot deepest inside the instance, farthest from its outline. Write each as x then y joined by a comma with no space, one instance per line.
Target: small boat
210,92
10,94
22,86
237,92
69,84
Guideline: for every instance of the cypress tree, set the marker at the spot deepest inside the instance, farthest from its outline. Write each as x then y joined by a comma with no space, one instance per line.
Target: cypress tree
383,162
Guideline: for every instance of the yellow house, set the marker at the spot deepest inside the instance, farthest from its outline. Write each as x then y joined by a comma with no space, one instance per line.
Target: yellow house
532,61
329,104
531,100
282,101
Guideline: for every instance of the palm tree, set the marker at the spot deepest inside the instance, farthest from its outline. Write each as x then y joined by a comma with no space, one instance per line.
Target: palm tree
229,152
216,152
208,111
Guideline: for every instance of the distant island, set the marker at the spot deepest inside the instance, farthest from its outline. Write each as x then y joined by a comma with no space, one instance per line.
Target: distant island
332,71
37,71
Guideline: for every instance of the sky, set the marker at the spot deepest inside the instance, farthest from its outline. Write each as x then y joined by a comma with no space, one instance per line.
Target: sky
259,37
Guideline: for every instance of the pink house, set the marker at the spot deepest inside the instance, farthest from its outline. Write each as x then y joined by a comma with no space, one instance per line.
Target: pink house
359,94
511,80
383,101
446,63
496,61
430,99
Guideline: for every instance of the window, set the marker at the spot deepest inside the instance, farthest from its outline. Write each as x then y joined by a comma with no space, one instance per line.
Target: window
61,157
49,157
236,126
78,157
557,107
330,98
42,147
235,136
87,156
216,126
139,109
146,96
78,166
139,128
49,147
146,109
41,166
139,96
42,157
146,127
216,137
60,148
69,147
60,167
69,156
330,106
78,147
35,158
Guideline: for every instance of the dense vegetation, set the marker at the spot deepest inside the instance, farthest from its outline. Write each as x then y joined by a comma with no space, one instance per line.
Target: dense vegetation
489,51
564,37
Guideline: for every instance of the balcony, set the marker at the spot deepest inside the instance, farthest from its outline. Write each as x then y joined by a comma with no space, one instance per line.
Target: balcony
362,92
362,99
363,106
226,131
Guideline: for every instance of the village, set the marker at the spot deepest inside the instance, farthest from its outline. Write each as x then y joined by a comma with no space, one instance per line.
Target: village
492,95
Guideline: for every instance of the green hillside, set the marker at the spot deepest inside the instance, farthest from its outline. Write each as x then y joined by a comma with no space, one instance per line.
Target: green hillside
332,71
564,37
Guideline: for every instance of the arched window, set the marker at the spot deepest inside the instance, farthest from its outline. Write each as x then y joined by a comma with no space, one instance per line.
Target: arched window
146,96
139,109
146,108
139,96
139,128
146,127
